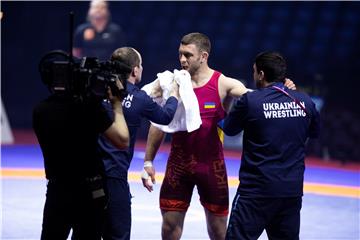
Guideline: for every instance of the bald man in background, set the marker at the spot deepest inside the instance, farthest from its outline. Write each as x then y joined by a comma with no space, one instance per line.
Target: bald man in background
99,36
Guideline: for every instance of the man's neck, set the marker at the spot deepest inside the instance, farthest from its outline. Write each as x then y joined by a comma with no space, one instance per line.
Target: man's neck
131,80
202,76
266,84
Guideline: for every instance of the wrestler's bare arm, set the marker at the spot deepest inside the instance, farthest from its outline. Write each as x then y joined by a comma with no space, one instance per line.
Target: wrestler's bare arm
154,140
234,87
230,88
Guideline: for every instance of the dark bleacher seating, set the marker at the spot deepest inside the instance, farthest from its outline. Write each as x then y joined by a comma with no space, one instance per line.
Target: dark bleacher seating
317,38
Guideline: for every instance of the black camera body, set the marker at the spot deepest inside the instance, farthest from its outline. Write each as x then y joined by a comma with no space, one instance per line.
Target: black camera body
82,78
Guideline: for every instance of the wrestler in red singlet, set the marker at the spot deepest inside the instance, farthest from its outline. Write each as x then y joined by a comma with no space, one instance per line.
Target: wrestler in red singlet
197,158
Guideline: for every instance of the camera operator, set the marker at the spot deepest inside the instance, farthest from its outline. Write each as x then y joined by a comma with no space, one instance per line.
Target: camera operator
67,129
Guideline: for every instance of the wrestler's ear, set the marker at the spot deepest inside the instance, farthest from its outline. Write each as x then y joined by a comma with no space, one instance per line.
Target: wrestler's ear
204,56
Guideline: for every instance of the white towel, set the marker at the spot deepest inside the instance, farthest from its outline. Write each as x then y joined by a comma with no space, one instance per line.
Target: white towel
187,115
165,79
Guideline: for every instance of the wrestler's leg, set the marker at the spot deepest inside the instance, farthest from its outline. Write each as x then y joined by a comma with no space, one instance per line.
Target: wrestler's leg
213,190
216,225
172,225
175,193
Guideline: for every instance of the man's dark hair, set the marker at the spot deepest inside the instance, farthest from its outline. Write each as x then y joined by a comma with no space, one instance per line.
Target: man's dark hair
200,40
273,65
128,56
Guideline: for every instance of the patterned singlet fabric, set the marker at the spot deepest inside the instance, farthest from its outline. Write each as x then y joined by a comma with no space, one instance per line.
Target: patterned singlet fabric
197,158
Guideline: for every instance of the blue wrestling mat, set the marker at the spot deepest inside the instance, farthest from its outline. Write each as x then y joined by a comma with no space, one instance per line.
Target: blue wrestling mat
330,205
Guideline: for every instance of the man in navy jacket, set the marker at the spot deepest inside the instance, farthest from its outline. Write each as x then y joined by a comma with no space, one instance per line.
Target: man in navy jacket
136,105
276,123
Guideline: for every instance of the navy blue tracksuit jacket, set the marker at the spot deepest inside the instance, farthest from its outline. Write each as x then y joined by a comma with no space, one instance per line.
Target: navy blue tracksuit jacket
136,105
275,131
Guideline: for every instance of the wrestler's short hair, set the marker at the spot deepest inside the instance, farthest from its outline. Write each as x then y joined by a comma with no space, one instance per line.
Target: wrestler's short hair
199,39
272,64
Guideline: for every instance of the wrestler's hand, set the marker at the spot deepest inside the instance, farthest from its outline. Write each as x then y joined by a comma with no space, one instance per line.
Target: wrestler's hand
289,84
174,89
148,176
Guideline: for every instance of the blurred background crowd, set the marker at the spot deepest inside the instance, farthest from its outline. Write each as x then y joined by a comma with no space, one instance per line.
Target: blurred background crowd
320,41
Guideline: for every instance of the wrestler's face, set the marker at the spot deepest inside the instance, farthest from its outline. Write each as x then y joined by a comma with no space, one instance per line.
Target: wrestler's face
190,58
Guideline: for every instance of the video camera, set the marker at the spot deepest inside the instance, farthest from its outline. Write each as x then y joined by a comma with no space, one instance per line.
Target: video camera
82,78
